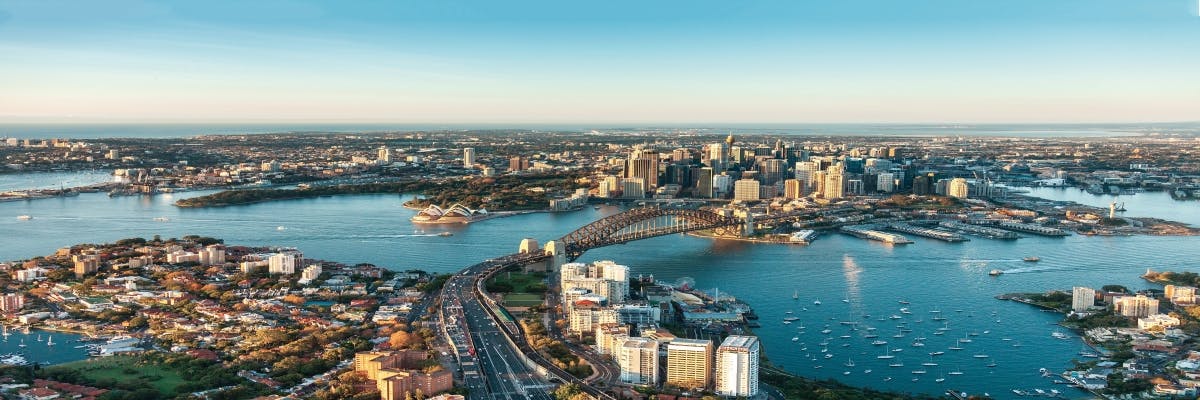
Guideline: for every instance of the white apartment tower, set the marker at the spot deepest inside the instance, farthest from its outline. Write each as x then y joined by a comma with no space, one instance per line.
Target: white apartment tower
737,366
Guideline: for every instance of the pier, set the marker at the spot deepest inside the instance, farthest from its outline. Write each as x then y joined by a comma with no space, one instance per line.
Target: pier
865,232
927,232
1023,227
987,232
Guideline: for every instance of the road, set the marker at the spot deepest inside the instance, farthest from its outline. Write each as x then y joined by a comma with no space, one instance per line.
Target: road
496,369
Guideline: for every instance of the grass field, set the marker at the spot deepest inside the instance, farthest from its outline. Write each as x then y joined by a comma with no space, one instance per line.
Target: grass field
519,281
522,299
125,368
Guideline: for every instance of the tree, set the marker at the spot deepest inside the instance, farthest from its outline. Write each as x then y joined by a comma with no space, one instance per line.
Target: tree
400,340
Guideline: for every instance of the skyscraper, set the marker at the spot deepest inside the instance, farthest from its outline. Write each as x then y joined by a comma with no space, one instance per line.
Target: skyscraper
385,154
689,363
704,182
1082,298
469,157
638,360
958,188
737,366
885,182
793,189
746,190
835,184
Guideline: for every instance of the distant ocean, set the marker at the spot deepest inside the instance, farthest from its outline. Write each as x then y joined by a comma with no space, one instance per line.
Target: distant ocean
94,131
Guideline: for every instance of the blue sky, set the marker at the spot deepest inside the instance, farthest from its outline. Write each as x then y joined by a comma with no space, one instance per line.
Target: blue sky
612,61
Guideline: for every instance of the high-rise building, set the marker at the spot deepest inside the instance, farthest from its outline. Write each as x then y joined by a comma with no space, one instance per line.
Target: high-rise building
689,363
855,187
384,154
886,182
771,171
518,163
746,190
1135,306
923,185
958,188
737,366
644,165
12,302
633,188
469,157
704,182
310,273
284,263
86,265
793,189
1082,298
722,185
718,156
835,184
638,359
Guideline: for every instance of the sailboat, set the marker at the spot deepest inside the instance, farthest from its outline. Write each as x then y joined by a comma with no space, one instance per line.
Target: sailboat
796,295
817,302
887,354
50,341
22,343
39,338
849,362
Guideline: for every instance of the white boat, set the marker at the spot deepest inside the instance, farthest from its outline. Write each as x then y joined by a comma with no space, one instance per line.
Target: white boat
879,342
281,228
795,338
817,302
796,295
955,372
918,371
940,379
50,341
937,353
1059,335
981,356
24,217
162,219
22,343
867,371
887,355
849,363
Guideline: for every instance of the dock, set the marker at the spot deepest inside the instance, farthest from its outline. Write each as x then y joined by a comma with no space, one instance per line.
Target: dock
978,230
1023,227
866,232
927,232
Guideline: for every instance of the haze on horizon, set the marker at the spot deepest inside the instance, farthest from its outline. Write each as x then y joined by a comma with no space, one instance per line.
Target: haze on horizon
865,61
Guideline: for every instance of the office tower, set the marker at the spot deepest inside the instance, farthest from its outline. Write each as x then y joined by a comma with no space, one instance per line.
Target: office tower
718,156
805,172
681,155
737,366
923,184
633,188
793,189
644,167
886,182
834,184
518,163
469,157
638,359
704,182
722,185
818,185
958,188
746,190
855,187
385,154
771,171
689,363
1082,298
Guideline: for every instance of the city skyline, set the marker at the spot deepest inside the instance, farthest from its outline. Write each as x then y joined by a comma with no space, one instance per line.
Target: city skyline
776,62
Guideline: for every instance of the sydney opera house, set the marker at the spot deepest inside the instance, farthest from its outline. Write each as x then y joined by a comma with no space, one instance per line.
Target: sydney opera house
455,214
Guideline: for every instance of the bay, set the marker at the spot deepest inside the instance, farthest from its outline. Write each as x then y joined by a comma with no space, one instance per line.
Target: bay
873,277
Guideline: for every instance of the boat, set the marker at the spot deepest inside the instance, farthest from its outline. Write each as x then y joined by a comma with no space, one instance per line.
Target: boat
888,379
879,342
1031,259
444,234
791,318
937,353
905,302
955,372
866,371
161,219
24,217
992,364
828,355
849,363
887,355
50,341
1059,335
817,302
795,338
22,343
796,295
896,364
281,228
981,356
940,379
918,371
995,272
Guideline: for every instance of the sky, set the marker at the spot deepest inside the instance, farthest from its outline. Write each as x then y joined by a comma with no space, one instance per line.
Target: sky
451,61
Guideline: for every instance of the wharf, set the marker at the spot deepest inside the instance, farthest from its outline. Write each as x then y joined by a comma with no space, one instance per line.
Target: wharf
978,230
1022,227
927,232
865,232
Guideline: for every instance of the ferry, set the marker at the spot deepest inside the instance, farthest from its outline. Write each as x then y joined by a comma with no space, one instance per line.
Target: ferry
1031,259
803,237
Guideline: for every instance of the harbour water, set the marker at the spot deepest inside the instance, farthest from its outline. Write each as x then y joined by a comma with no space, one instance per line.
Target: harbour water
872,277
36,349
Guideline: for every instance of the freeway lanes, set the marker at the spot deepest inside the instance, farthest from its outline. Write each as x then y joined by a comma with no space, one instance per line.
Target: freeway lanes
495,371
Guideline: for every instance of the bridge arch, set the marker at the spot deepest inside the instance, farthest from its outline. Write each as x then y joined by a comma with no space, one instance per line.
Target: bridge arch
643,223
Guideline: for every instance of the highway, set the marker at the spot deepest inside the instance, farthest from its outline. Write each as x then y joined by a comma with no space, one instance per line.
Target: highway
496,370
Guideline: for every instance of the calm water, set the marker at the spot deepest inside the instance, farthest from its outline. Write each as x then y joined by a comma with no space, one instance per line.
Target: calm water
931,275
1145,204
52,180
37,351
